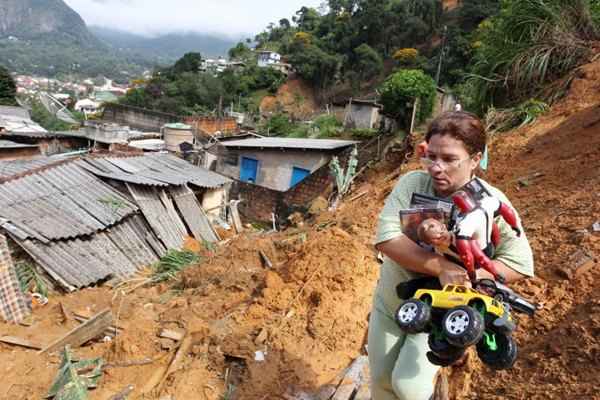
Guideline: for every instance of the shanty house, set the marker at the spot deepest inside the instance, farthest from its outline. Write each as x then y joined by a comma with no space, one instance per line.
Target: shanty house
275,171
85,220
362,114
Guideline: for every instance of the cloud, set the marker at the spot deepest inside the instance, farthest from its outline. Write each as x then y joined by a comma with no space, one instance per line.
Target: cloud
233,18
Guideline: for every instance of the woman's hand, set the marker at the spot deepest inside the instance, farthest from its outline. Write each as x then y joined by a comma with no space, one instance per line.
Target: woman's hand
453,274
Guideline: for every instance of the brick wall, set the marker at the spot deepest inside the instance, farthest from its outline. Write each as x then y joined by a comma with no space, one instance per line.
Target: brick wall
210,125
260,202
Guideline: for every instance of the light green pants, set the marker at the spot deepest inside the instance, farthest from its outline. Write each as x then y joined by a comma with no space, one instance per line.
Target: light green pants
398,362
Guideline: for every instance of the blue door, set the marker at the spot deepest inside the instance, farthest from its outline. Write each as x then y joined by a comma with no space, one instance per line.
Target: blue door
298,174
248,170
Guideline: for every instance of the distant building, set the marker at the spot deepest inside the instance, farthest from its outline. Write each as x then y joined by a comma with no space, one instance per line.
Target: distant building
268,58
362,114
87,106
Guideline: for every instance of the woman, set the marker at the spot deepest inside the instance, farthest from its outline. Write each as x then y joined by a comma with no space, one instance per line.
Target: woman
399,366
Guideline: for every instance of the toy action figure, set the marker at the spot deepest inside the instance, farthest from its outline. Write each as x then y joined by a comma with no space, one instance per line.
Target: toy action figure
474,235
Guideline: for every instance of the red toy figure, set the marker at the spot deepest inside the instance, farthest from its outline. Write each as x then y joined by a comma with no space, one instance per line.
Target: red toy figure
476,233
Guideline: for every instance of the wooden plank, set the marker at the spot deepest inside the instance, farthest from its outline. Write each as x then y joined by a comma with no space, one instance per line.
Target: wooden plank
83,333
16,341
171,334
193,214
266,262
235,216
353,379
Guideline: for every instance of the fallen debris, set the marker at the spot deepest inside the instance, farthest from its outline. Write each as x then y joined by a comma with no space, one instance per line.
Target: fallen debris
75,377
265,260
579,263
355,378
122,395
13,305
20,342
171,334
83,333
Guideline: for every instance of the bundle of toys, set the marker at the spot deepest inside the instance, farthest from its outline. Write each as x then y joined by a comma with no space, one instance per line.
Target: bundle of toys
457,316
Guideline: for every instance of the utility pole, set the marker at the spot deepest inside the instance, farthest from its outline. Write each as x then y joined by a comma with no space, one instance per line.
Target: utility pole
442,50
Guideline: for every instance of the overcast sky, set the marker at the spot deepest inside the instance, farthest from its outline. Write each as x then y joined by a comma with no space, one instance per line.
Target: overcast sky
233,18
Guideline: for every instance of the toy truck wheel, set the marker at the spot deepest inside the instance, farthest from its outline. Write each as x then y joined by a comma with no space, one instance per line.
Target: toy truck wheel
463,326
413,316
503,357
444,360
442,348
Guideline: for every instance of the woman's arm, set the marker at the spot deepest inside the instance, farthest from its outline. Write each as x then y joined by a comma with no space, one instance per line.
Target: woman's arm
509,274
411,256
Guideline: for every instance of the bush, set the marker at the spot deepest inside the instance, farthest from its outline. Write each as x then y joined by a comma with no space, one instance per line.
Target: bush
406,56
327,126
278,125
528,45
400,90
501,120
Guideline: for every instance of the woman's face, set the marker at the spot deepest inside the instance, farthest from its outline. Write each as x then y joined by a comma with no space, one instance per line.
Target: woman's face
452,165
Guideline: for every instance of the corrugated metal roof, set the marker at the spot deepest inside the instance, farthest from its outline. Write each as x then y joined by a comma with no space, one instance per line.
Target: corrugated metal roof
193,214
14,111
155,170
60,202
9,144
119,251
290,143
161,216
19,124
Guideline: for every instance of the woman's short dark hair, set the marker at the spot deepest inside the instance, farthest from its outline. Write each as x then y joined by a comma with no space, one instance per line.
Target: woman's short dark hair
462,126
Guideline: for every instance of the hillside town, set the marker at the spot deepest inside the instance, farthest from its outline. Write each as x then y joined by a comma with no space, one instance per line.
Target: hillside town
370,200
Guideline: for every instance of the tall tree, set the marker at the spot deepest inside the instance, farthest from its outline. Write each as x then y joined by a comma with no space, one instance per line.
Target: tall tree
8,89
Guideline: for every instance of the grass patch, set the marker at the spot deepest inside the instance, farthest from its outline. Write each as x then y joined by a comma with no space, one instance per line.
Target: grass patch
172,263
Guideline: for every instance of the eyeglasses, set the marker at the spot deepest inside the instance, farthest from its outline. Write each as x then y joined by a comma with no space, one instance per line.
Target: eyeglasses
443,165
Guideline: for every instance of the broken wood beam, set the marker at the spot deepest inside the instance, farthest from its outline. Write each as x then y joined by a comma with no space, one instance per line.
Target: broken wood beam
83,333
358,196
265,260
171,334
16,341
122,395
111,330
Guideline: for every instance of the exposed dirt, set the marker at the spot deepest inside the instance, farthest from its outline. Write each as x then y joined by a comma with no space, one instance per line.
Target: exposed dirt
307,316
294,97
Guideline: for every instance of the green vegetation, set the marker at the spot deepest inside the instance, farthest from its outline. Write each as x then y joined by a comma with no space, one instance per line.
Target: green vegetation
400,90
8,89
30,280
46,120
184,89
172,263
505,119
528,45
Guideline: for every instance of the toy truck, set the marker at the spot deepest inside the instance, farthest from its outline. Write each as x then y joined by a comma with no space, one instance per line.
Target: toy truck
457,317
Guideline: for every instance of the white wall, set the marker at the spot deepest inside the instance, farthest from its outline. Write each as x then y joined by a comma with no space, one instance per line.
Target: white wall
274,166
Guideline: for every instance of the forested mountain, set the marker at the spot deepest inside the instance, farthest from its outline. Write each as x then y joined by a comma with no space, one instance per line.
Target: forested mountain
164,49
47,37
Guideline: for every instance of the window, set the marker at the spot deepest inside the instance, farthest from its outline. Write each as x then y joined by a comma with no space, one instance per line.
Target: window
231,159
